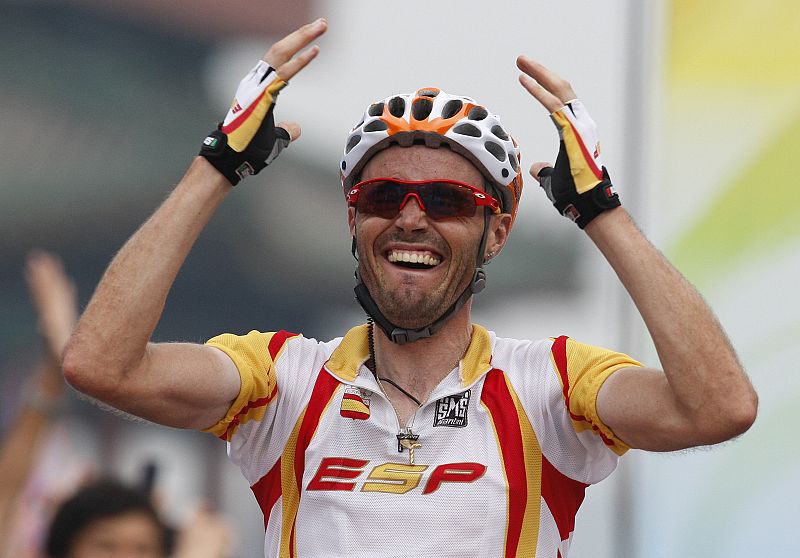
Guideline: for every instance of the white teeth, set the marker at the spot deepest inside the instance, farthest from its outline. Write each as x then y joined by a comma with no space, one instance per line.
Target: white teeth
413,257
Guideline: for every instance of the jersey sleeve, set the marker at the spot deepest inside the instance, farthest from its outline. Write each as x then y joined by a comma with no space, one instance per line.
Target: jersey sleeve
254,355
582,369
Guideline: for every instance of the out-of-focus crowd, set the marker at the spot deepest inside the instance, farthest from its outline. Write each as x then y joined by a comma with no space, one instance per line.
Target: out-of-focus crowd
101,517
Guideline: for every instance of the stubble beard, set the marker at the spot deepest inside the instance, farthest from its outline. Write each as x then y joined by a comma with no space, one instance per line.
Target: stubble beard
410,306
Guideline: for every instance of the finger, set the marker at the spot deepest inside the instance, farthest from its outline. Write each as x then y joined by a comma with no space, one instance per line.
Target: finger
548,79
537,168
288,70
283,51
547,99
292,127
44,272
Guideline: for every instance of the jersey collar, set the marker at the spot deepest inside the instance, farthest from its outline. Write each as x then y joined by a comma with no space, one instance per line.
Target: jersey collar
353,352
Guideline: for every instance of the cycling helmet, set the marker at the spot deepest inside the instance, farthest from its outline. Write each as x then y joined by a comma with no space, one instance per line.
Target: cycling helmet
431,117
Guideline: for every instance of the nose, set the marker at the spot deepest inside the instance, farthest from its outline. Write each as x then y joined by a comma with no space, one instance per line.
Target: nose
412,214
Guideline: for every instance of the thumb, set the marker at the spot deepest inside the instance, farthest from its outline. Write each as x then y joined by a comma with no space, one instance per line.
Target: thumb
293,128
536,169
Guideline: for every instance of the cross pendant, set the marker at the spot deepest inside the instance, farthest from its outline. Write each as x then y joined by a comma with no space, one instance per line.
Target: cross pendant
408,440
411,445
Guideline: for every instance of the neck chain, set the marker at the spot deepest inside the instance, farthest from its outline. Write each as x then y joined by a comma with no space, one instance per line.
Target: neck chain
375,366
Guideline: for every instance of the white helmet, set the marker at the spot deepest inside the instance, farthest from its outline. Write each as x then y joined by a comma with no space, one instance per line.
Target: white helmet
431,117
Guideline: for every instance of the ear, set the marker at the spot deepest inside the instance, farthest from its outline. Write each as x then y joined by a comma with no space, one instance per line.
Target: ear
351,220
499,227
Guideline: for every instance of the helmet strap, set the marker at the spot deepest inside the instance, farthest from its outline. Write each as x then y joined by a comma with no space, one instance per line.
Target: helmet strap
401,336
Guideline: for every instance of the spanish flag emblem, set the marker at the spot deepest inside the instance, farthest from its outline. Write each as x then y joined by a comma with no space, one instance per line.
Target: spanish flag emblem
354,406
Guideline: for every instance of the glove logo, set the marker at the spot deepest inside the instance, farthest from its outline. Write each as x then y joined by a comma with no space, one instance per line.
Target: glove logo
210,141
571,212
245,170
236,107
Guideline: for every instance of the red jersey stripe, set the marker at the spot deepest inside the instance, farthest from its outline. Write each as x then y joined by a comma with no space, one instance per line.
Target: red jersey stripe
277,342
498,401
267,491
324,389
563,496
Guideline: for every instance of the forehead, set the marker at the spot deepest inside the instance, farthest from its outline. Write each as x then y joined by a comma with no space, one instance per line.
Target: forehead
418,162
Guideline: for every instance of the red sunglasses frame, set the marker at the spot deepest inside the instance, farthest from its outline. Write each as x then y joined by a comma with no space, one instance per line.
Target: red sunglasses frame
482,199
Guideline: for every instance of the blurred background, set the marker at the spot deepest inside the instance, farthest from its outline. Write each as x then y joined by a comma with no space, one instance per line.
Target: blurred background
103,104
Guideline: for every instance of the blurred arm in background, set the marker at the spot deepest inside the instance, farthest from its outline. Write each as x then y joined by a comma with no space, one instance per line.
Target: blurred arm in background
54,299
205,535
110,356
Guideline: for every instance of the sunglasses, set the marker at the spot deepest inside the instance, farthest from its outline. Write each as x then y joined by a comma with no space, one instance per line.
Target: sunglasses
440,199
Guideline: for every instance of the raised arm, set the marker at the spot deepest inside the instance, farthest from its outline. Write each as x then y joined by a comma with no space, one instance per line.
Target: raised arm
703,395
110,356
54,299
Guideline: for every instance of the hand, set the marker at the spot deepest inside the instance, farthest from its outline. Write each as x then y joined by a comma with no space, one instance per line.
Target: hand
205,535
247,140
54,298
579,185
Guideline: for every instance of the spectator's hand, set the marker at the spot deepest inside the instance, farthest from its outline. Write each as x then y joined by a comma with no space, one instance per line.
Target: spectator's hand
54,298
205,535
578,185
248,140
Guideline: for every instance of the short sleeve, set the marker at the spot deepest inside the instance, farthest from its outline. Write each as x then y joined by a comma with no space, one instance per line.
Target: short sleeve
582,370
254,355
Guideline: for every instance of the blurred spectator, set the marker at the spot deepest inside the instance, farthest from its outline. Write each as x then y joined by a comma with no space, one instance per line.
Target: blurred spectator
54,299
106,519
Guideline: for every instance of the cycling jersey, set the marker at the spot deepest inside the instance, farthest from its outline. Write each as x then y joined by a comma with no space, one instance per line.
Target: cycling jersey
495,462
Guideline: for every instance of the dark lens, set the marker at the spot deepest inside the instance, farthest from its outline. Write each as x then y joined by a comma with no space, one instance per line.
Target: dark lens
443,200
381,198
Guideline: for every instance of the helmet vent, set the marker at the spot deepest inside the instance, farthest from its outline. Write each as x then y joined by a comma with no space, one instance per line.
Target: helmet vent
513,160
498,131
421,108
467,130
477,113
428,92
397,107
375,109
496,150
352,142
451,108
376,126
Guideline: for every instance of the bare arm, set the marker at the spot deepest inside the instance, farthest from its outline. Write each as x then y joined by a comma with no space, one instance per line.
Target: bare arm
109,356
703,395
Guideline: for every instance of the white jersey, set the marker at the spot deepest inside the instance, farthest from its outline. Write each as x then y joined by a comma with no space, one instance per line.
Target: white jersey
495,464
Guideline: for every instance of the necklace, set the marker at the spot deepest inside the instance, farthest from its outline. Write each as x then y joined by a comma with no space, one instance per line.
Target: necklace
375,368
406,439
398,388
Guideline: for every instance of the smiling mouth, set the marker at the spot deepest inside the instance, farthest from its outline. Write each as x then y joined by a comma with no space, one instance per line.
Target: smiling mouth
411,259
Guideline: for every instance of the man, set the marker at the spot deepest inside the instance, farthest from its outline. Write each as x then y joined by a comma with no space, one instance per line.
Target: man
426,435
110,520
106,518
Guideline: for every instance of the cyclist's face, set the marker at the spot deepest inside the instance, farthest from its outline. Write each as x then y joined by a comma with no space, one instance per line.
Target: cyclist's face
442,252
